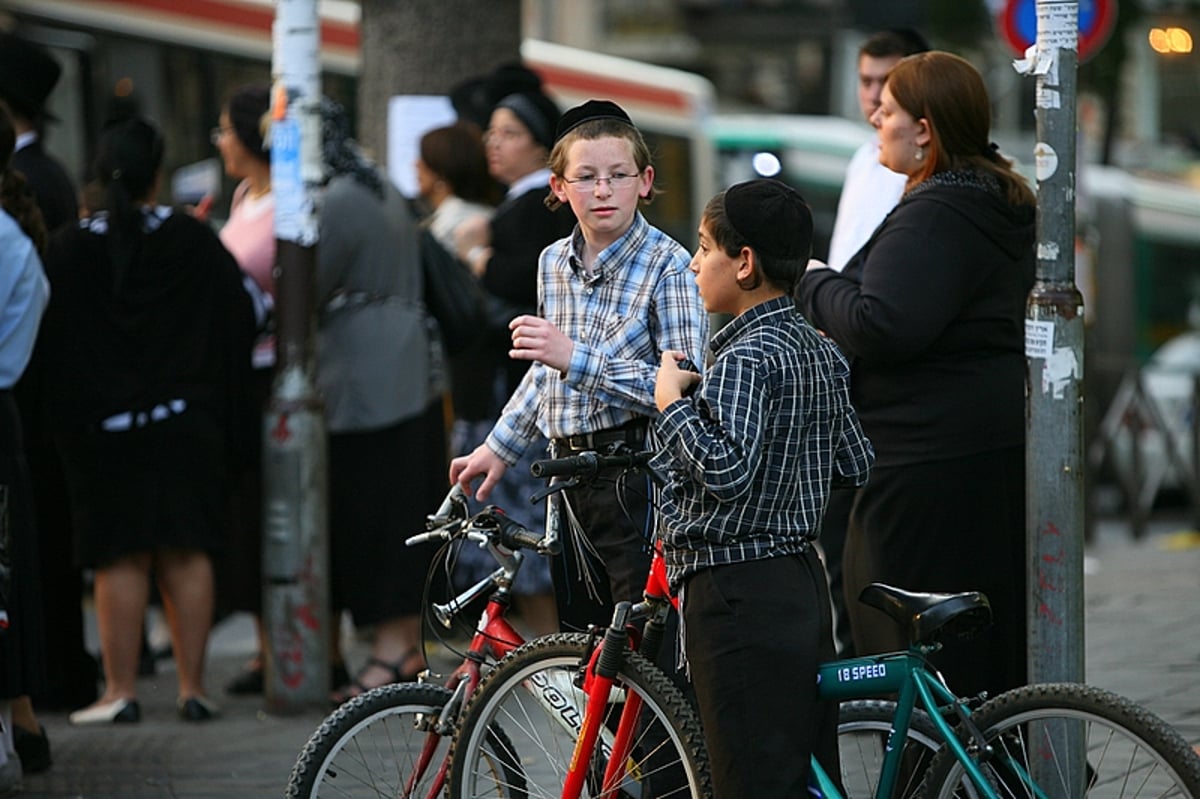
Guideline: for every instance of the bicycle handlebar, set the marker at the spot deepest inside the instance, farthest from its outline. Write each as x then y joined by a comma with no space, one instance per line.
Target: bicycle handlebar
513,534
588,464
491,521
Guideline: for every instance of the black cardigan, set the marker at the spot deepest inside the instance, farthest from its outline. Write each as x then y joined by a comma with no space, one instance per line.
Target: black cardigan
521,228
931,312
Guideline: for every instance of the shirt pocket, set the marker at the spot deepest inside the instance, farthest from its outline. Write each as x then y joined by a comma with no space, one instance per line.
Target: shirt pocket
627,337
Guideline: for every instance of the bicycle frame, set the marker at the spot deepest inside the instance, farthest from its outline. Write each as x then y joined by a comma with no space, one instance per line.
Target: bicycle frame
907,676
601,672
494,638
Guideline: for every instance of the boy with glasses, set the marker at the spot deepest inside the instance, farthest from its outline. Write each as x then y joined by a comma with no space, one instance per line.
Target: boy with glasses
613,295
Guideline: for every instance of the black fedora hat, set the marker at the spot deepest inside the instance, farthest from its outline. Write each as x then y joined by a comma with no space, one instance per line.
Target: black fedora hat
28,74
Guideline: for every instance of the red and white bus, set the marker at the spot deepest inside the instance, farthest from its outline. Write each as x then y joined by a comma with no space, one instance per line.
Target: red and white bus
178,59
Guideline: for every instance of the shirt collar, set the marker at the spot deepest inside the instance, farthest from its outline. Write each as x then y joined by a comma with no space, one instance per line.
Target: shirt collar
759,314
25,139
615,254
534,180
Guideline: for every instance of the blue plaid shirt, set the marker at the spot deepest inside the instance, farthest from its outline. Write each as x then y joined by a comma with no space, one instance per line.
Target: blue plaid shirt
641,299
751,454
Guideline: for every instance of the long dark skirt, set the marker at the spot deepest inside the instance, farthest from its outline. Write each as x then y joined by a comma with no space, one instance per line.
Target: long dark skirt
22,645
382,485
952,525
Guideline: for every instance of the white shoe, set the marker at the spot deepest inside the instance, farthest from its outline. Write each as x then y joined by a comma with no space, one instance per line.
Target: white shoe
10,775
119,711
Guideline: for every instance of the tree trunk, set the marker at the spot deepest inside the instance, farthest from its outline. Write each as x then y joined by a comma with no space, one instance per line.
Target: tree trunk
427,47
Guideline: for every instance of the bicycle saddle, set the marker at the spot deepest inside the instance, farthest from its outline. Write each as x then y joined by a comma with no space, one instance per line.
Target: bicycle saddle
929,617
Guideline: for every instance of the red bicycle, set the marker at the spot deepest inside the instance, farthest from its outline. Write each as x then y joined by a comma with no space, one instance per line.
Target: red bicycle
394,740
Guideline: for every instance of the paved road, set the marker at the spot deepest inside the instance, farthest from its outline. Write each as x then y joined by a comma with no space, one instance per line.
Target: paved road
1142,618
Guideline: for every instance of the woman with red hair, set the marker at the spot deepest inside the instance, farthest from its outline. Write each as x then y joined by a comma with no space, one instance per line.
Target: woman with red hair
931,312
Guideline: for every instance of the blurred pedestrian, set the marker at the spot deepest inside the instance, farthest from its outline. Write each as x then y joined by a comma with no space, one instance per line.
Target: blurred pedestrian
147,352
28,75
453,181
931,312
870,189
249,235
23,295
454,178
505,255
869,192
387,444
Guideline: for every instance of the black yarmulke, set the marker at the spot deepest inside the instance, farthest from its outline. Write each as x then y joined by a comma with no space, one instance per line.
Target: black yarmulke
592,109
771,217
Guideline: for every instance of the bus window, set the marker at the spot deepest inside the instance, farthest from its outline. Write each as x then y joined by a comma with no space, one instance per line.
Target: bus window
809,153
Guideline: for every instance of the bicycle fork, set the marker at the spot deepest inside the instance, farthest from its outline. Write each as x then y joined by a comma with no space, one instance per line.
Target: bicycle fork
598,686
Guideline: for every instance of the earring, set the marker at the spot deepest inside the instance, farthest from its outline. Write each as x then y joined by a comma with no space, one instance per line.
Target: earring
920,154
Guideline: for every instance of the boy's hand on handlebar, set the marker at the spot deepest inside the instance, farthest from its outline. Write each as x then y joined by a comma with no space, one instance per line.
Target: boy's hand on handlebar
674,383
464,469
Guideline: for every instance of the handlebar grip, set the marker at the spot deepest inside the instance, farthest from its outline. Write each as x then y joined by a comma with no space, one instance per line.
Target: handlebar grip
584,463
514,535
421,538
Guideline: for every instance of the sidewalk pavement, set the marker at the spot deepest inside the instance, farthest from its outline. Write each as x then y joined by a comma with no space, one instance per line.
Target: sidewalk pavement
1142,634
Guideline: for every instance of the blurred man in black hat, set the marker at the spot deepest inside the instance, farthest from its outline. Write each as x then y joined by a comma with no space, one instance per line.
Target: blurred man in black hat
27,76
28,73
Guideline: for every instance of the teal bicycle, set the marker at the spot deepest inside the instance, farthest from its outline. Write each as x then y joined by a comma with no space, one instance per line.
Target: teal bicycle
1053,740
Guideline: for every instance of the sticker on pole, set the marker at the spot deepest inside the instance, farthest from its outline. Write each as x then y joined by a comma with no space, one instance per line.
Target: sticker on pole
1045,160
1039,339
286,181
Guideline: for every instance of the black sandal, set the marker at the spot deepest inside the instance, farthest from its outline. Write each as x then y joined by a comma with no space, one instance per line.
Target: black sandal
355,686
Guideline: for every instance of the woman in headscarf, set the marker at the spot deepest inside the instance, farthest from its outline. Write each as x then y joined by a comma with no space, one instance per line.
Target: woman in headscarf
375,370
504,253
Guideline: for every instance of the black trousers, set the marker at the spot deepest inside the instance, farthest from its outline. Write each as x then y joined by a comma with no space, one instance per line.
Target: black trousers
755,633
616,521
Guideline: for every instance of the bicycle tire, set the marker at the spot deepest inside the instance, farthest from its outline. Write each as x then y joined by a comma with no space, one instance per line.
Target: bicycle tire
863,727
367,748
1129,751
669,757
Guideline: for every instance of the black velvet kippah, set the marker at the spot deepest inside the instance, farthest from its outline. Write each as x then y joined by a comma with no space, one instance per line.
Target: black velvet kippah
771,217
592,109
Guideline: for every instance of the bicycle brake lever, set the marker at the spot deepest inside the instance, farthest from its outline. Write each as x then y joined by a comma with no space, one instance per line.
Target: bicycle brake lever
553,488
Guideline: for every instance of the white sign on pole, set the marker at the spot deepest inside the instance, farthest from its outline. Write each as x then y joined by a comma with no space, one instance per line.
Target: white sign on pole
411,116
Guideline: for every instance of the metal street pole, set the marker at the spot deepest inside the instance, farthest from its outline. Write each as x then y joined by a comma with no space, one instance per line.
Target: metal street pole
1054,351
295,460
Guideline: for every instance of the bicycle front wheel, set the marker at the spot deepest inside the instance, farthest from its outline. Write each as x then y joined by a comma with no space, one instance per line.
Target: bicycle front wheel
533,695
1072,741
378,744
863,728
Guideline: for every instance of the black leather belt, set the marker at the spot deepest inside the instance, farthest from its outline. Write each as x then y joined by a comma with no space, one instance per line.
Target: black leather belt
632,433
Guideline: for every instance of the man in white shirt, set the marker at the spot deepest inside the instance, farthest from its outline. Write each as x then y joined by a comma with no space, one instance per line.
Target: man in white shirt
870,189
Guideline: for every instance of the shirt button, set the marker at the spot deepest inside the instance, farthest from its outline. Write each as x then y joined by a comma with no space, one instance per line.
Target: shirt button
589,291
